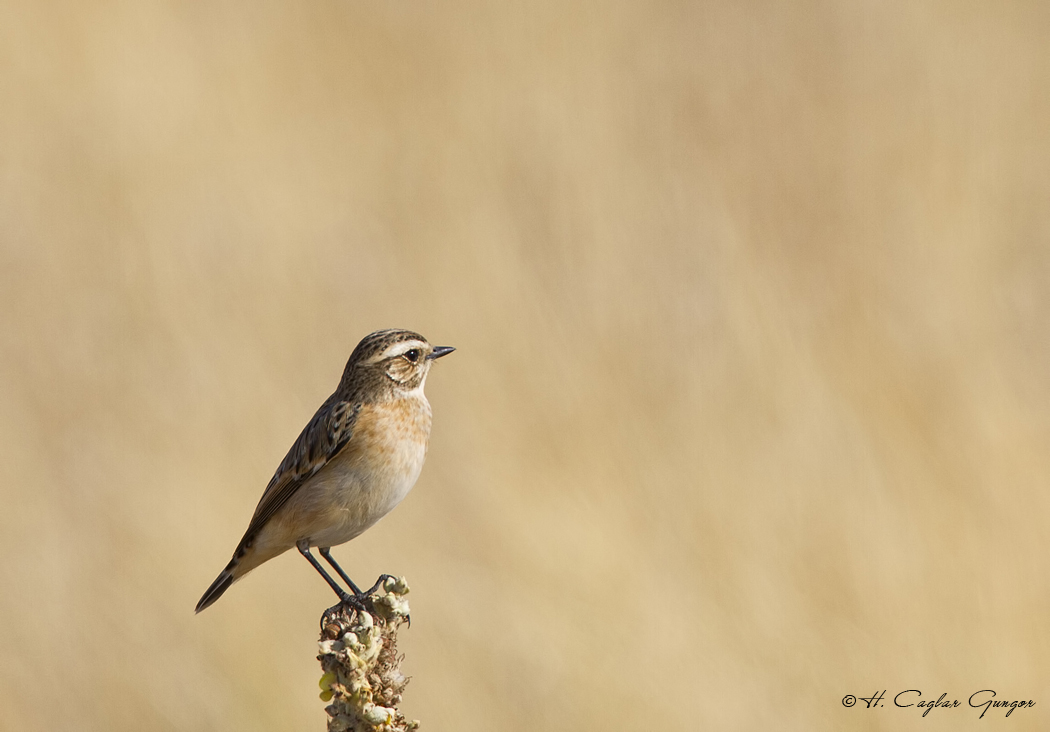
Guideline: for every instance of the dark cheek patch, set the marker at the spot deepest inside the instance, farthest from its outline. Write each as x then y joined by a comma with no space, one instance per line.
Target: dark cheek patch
399,370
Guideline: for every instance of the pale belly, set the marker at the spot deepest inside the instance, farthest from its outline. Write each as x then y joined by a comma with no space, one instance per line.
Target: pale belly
356,498
361,485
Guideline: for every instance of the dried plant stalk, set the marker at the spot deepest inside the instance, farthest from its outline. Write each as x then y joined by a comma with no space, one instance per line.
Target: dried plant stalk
362,669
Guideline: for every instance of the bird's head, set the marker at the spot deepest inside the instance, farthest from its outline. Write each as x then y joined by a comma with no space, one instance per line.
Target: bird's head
394,358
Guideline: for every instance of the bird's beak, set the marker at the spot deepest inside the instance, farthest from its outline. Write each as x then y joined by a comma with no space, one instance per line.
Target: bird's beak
440,351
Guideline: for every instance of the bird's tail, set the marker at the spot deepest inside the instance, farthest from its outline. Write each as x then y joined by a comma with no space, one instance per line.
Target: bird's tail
219,586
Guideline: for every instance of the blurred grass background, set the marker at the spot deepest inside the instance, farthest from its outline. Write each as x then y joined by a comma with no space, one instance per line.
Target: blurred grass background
750,407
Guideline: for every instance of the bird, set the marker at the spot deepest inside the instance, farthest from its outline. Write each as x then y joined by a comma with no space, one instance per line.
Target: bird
355,460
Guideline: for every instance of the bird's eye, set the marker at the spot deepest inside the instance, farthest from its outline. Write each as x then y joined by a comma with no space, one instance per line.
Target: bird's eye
412,355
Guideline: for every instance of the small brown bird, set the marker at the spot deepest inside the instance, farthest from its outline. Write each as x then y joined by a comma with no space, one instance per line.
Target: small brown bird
356,459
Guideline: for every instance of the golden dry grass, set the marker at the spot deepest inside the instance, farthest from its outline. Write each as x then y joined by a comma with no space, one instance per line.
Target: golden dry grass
750,408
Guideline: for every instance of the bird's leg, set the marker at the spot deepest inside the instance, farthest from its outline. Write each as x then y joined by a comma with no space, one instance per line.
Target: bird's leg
352,600
326,552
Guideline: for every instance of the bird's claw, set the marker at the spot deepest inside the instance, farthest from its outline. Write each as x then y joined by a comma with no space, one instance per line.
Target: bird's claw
361,602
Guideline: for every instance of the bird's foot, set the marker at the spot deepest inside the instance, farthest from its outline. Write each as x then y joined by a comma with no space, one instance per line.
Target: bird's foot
347,602
375,588
360,601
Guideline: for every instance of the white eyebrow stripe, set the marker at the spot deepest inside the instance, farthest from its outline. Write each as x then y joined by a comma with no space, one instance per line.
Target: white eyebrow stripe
399,349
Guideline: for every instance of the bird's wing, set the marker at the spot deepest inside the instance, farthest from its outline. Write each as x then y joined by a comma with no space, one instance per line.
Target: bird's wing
321,440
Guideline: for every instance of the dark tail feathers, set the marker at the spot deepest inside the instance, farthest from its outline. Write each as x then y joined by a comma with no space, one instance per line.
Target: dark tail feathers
219,586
